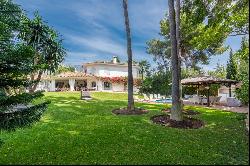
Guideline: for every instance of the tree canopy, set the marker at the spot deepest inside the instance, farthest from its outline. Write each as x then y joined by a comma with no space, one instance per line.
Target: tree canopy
241,58
23,52
204,27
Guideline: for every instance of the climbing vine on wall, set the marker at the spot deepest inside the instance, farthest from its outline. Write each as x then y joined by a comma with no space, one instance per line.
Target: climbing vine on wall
120,80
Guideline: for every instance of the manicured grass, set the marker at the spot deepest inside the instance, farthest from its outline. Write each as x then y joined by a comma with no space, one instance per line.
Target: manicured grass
73,131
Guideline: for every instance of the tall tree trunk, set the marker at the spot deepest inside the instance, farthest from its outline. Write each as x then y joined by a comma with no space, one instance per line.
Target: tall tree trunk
176,112
178,39
32,87
142,74
32,77
38,80
129,52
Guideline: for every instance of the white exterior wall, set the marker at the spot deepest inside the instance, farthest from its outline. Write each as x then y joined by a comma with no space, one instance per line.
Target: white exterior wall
117,87
223,91
111,71
99,85
52,85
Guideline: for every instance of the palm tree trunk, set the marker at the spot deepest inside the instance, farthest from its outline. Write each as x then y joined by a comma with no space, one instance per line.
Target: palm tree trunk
178,38
129,52
176,112
142,74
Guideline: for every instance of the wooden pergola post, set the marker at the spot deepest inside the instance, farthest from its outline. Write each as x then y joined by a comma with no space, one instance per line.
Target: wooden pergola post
197,90
208,93
230,91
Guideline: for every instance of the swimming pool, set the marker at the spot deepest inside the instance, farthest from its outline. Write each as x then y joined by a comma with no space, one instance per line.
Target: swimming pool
167,100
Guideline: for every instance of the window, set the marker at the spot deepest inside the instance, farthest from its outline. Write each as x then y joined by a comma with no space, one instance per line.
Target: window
107,85
93,84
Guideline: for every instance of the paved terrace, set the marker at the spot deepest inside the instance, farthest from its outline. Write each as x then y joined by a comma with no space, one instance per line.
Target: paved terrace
242,109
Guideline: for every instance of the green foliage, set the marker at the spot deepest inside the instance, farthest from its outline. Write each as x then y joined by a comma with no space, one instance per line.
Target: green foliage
62,69
199,40
144,68
190,72
204,26
242,62
23,98
10,16
16,64
157,83
239,20
219,72
161,52
45,41
191,90
188,90
231,67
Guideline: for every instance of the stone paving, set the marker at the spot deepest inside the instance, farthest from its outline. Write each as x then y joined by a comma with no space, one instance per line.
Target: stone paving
242,109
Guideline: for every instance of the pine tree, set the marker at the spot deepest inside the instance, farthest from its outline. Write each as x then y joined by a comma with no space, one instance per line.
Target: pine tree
231,67
15,65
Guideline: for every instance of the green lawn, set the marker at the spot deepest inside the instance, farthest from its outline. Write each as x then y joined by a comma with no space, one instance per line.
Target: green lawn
73,131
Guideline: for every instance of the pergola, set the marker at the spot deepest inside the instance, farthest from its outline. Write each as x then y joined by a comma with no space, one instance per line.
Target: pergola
206,80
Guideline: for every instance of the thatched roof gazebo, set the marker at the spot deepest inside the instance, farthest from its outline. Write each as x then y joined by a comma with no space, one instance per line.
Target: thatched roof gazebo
207,81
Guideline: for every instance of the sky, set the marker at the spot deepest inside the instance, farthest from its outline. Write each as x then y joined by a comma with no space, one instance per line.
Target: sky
94,29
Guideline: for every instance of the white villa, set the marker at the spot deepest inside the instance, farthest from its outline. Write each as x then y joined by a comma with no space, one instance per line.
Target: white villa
97,76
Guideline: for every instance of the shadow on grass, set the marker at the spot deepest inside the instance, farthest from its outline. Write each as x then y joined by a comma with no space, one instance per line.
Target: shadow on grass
76,131
73,107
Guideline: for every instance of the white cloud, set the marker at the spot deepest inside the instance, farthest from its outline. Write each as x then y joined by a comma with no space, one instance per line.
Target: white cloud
97,43
81,54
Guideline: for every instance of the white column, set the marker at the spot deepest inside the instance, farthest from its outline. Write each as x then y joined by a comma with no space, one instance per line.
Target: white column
72,84
53,85
99,85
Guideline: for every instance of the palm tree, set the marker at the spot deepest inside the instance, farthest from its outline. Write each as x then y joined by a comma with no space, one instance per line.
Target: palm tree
176,112
49,52
129,52
178,38
144,67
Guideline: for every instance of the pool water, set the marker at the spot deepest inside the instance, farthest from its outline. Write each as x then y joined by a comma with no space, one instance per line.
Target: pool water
167,100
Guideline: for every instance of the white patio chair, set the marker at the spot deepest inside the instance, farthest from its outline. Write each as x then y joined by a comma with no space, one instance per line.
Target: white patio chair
152,97
212,99
217,100
233,102
145,97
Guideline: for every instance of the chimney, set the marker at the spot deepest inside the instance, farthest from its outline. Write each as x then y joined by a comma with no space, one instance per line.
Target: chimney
115,59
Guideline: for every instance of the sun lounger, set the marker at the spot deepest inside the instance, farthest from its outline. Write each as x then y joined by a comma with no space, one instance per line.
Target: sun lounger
146,98
233,102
